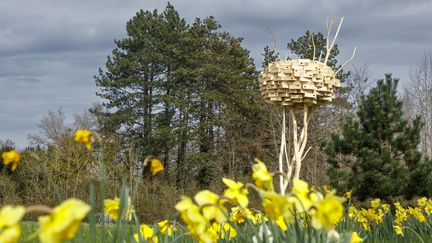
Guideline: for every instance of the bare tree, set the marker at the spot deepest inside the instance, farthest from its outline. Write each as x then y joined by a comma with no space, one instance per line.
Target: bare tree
53,129
358,84
85,120
419,91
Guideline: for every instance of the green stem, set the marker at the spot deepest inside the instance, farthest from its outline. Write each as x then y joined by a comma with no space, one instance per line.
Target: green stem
414,233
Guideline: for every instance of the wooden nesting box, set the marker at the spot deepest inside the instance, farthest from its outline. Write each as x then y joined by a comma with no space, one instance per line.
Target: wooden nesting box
298,82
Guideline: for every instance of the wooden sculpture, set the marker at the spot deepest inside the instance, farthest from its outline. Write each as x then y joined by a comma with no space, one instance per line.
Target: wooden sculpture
299,85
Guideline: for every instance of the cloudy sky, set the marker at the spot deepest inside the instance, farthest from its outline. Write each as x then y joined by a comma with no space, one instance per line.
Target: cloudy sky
50,49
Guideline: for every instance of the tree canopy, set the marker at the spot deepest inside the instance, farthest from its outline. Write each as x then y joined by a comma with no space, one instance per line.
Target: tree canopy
182,92
376,155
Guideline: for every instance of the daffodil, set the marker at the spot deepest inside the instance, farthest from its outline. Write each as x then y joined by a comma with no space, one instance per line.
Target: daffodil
276,205
85,137
147,234
280,222
10,230
327,212
417,213
237,192
421,202
398,230
401,214
376,203
223,230
428,208
63,222
352,212
240,215
263,178
208,236
385,207
355,238
326,189
112,207
347,195
192,217
259,218
211,206
304,198
156,166
11,157
166,227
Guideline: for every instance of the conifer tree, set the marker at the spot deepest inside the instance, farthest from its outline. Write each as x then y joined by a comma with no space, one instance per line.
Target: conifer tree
376,155
184,93
269,56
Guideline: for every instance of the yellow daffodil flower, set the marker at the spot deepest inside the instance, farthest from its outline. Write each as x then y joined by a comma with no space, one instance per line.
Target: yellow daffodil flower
192,217
347,195
112,207
417,213
166,227
421,202
147,234
328,212
240,215
376,203
260,218
10,230
263,178
385,207
304,198
280,222
209,236
276,205
355,238
156,166
326,189
428,208
11,157
401,214
237,192
352,212
85,137
63,222
398,230
211,206
224,229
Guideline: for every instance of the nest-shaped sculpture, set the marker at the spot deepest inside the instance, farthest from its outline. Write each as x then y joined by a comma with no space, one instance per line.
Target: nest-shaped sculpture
295,83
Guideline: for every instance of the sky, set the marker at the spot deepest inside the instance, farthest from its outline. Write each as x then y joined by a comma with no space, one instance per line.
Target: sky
51,49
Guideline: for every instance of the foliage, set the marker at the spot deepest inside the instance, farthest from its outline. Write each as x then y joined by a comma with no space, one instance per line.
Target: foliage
306,216
377,154
186,93
303,48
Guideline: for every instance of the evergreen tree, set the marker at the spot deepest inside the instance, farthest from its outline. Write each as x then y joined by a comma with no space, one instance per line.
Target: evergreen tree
182,93
269,56
303,48
220,76
376,155
138,83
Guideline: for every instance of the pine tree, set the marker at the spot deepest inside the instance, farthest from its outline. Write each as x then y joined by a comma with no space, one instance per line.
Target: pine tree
138,83
219,76
303,48
181,92
269,56
376,155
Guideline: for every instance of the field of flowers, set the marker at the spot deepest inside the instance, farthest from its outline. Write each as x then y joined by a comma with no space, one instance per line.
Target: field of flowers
304,214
